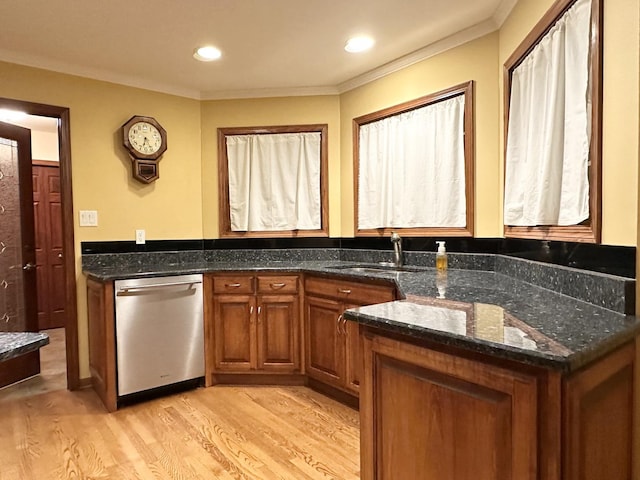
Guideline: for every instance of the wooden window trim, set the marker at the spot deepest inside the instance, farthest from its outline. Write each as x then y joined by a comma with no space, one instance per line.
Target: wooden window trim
465,89
589,231
223,181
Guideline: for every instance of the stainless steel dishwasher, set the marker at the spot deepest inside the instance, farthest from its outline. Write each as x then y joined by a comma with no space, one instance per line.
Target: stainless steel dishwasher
159,332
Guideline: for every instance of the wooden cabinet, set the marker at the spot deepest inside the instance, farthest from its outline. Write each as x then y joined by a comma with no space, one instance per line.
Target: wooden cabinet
102,341
332,345
256,324
428,413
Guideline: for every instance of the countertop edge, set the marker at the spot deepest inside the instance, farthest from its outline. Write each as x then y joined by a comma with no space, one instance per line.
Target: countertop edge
27,342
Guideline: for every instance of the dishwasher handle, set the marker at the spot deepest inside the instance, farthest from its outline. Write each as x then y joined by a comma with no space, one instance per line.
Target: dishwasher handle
125,290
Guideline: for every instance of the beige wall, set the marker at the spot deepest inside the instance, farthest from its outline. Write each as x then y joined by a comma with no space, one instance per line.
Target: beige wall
267,112
169,208
476,60
620,107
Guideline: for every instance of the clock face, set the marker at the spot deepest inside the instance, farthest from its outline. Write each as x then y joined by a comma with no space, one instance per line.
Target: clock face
145,138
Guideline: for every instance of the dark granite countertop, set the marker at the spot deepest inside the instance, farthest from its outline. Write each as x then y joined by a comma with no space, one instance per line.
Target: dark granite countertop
482,311
13,344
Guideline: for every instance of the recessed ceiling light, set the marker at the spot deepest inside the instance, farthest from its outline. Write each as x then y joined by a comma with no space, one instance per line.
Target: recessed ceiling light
207,54
358,44
11,115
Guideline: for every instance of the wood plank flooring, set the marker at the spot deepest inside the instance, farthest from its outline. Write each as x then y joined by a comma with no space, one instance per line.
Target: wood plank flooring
240,433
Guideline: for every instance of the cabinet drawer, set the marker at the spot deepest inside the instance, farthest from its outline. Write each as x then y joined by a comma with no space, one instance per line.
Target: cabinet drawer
361,293
278,284
233,284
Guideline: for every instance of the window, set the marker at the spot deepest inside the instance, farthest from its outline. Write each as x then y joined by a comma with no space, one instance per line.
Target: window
273,181
553,98
414,166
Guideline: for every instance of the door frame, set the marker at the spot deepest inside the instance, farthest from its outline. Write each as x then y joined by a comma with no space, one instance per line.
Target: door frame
68,247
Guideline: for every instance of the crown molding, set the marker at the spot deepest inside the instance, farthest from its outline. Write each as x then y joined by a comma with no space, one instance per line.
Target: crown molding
503,11
42,63
452,41
270,93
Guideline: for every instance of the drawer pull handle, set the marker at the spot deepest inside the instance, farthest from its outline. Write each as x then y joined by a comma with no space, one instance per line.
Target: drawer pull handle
232,285
277,285
346,291
338,324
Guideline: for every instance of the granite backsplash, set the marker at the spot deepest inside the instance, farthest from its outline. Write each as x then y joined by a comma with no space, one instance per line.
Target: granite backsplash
608,291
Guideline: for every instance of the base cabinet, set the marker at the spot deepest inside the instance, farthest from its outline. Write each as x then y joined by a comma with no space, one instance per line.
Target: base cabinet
102,341
256,324
434,415
333,345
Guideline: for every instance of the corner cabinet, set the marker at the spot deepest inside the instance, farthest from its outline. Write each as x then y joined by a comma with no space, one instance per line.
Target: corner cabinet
332,345
255,322
430,412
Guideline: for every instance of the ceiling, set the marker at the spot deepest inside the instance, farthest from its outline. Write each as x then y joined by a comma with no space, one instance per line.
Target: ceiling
269,47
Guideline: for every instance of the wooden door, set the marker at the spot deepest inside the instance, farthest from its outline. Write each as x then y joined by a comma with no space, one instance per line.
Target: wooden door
17,248
324,342
429,415
234,333
278,336
49,240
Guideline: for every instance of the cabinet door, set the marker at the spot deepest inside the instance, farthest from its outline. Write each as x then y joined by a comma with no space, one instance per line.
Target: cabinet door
324,343
278,336
426,414
598,414
353,354
233,333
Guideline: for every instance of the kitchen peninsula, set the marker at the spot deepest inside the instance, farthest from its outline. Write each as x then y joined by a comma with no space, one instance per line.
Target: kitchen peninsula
486,374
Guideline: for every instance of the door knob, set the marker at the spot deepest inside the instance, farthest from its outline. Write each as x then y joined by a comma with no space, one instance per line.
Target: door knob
29,266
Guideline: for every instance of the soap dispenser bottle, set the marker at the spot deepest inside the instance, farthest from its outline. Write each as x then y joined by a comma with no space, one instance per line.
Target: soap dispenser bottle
441,257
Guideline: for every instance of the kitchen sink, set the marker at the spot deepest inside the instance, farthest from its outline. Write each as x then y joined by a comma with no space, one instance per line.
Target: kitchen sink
382,267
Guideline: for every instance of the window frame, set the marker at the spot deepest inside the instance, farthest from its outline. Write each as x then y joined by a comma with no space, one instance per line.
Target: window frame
224,215
589,231
465,89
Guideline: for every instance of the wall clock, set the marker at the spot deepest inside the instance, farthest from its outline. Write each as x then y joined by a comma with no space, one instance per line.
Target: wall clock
146,141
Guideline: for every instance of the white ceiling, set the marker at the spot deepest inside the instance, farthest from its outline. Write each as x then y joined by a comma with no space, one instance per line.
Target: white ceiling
33,122
270,47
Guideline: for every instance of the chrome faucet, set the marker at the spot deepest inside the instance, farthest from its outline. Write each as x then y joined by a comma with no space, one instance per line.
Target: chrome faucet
397,249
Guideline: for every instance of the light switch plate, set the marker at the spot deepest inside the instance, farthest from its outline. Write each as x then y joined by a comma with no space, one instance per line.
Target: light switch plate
140,237
88,218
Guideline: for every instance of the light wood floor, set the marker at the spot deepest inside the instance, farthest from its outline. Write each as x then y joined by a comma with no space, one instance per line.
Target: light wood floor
242,433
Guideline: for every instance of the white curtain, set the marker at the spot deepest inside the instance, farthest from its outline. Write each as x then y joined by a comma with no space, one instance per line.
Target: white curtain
412,168
547,156
274,181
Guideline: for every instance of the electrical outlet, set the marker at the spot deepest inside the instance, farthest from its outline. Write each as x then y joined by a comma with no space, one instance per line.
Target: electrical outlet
140,240
88,218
